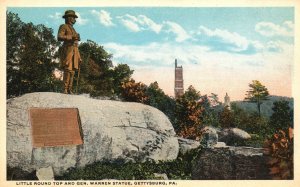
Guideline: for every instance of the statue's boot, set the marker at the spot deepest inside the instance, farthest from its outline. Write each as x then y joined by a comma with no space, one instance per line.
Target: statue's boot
66,81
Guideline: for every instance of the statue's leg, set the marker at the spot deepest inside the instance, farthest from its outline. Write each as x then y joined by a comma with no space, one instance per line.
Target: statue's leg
66,80
72,73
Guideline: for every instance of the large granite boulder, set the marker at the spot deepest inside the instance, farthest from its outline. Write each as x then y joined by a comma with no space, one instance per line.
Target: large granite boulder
231,135
112,130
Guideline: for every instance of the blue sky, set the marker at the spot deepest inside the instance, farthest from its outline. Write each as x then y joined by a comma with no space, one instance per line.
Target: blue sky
221,49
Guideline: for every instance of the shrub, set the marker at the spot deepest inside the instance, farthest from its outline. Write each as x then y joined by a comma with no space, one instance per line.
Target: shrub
134,92
280,149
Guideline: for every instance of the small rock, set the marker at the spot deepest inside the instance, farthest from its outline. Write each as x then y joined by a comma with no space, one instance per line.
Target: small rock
160,176
220,144
45,173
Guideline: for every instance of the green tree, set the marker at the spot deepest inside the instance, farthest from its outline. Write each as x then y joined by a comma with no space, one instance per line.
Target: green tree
14,27
31,53
249,121
252,123
212,106
98,76
241,117
214,100
94,75
188,114
227,118
257,94
282,117
158,99
120,74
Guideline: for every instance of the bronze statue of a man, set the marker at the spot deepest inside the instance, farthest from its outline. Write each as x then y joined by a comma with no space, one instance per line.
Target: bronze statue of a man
69,54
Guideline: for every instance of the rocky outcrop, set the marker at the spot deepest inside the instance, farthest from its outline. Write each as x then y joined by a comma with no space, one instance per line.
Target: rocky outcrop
186,145
111,130
229,163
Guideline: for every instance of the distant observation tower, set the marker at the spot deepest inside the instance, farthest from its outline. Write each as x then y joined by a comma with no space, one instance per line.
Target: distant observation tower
178,89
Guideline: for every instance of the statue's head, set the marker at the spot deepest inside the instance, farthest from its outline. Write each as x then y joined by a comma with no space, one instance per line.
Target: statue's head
70,16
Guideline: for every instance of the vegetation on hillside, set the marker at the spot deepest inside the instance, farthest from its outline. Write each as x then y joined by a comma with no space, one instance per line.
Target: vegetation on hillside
266,106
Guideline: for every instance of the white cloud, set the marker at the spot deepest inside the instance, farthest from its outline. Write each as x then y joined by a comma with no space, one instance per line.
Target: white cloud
257,45
181,34
239,43
131,25
161,54
279,46
139,23
130,17
147,22
270,29
289,24
56,16
80,20
142,23
104,17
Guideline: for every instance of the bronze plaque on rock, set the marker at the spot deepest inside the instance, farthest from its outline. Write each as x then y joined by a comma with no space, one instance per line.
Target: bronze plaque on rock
53,127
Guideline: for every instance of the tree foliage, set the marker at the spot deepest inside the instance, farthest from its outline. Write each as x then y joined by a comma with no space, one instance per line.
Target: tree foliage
249,121
257,94
134,91
158,99
212,107
94,68
280,149
214,100
31,54
98,76
227,118
282,117
188,112
120,74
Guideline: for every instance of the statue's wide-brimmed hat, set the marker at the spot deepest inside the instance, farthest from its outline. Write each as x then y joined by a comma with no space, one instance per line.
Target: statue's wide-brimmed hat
70,13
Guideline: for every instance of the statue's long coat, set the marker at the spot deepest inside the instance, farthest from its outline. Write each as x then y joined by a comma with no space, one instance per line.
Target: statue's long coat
69,53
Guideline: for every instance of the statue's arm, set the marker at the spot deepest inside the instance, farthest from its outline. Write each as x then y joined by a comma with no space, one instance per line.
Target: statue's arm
62,34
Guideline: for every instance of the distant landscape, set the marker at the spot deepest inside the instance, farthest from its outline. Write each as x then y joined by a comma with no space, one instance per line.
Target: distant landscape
266,107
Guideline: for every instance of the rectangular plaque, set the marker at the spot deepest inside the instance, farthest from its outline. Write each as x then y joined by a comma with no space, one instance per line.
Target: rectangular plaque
55,127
